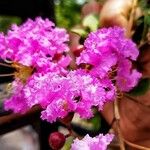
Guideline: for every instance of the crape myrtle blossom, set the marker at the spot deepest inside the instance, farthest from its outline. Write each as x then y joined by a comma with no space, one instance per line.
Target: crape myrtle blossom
106,48
126,76
59,91
34,43
58,95
46,65
99,142
107,58
17,102
2,43
35,46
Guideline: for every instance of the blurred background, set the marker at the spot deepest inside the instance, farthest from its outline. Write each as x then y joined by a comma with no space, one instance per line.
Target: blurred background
79,17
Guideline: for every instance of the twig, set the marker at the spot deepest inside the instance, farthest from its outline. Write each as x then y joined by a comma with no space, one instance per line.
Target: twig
7,75
132,16
5,65
136,146
117,116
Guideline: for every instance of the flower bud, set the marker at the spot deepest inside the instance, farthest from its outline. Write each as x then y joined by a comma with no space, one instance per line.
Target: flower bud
56,140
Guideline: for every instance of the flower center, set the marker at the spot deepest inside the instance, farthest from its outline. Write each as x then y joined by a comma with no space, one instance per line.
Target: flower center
22,72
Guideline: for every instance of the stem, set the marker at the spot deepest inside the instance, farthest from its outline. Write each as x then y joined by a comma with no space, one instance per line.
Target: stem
8,61
116,110
5,65
136,146
145,31
71,132
68,135
7,75
117,116
132,16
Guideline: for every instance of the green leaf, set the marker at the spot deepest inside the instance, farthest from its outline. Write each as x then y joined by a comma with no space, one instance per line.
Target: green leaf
96,121
6,21
68,143
143,4
91,22
142,87
147,18
79,31
67,13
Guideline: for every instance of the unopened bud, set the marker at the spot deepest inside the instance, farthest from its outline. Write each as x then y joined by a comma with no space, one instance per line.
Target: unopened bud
56,140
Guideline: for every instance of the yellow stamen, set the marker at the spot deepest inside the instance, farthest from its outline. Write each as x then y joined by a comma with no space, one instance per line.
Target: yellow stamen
22,72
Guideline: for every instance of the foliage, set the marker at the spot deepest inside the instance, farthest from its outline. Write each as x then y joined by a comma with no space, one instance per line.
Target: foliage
143,23
67,13
6,21
89,23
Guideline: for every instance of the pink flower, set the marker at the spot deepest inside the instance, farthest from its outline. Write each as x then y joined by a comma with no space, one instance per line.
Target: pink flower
34,41
59,108
106,49
41,89
107,42
99,142
77,92
17,102
126,77
2,44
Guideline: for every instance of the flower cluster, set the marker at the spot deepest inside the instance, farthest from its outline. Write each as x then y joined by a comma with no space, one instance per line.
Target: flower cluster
33,47
99,142
78,91
36,44
39,46
108,51
58,95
